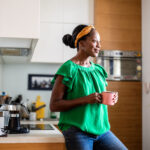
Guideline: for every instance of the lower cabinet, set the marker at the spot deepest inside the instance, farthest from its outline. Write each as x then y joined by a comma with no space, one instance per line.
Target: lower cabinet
126,115
33,146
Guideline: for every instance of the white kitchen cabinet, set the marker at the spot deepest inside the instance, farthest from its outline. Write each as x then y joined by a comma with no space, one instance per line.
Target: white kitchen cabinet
49,48
59,17
68,52
51,11
67,11
77,11
19,18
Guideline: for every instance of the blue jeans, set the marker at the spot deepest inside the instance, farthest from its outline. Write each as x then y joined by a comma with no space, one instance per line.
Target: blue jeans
78,140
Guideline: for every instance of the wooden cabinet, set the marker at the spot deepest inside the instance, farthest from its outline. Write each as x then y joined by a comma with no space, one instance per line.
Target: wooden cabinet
126,116
59,17
33,146
119,24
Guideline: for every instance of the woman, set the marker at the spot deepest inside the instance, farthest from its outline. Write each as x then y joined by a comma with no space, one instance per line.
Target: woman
76,94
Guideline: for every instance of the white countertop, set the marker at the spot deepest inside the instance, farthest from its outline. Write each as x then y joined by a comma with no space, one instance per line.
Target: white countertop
35,137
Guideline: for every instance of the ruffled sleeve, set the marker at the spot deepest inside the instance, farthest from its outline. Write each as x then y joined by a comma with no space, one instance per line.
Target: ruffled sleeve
67,70
102,72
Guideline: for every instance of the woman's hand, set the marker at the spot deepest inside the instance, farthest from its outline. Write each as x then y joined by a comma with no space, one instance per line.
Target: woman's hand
115,99
94,98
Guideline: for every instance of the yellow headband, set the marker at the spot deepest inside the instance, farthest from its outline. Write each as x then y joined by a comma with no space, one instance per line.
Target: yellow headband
82,33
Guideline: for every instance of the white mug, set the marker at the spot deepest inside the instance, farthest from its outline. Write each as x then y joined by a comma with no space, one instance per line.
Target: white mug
32,116
1,122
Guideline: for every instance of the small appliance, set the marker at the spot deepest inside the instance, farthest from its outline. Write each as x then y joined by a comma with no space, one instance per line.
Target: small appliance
13,119
14,124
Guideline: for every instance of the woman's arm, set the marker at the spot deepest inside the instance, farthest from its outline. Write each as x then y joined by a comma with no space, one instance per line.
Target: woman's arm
57,103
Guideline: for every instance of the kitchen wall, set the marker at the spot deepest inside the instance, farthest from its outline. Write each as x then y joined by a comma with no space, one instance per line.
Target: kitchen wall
146,72
15,79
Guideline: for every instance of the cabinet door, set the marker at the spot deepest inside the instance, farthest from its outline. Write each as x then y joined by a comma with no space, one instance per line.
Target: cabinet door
76,11
34,146
19,18
59,17
126,115
119,24
52,11
68,52
49,48
67,11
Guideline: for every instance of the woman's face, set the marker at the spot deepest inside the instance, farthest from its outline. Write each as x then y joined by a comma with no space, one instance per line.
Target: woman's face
91,45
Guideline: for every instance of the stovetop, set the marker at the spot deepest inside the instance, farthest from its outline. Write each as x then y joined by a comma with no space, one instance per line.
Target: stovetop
38,126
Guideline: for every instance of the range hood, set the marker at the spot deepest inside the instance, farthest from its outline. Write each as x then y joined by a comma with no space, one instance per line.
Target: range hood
17,46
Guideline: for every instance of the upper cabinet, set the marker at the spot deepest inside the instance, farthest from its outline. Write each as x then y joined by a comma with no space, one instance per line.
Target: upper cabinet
77,11
19,18
49,48
19,26
67,11
119,24
51,11
59,17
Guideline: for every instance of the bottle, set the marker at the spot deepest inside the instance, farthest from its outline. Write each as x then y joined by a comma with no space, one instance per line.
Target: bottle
40,114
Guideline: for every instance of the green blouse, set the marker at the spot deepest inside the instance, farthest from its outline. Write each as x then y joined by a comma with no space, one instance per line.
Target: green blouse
82,81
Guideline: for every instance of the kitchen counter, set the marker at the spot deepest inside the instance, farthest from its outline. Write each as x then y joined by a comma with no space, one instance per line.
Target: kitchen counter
36,137
35,140
52,121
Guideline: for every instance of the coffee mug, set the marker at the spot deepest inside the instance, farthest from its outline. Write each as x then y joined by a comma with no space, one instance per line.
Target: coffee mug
109,97
32,116
1,122
6,115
